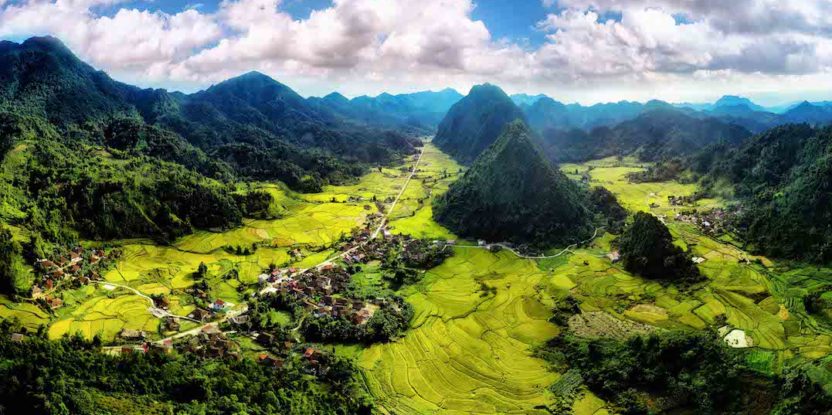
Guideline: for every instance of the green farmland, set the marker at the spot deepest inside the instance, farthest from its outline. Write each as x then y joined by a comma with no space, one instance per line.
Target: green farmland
479,316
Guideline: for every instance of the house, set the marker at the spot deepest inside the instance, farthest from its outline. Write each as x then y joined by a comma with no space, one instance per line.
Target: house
361,316
241,319
161,302
200,314
266,360
17,337
129,334
211,329
218,305
481,242
37,293
171,323
55,302
309,353
165,347
614,256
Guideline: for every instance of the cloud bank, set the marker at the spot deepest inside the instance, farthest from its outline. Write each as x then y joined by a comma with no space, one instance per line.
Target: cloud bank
595,50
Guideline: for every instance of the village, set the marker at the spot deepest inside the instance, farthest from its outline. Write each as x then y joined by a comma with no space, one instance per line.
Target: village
321,292
71,268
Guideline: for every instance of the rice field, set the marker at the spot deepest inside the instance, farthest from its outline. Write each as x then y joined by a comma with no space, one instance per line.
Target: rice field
469,350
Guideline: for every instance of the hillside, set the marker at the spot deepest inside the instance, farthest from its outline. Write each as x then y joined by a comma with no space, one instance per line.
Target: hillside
41,77
652,136
782,178
475,122
511,193
253,124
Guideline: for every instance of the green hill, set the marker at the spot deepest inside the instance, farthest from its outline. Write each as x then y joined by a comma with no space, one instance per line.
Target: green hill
783,180
511,193
475,122
647,249
655,135
251,125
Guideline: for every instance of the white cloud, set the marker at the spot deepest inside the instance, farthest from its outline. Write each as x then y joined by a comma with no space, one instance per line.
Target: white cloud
666,48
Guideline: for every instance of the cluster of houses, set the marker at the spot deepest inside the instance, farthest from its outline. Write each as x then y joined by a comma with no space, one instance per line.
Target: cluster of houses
682,200
317,289
207,314
712,222
314,359
212,343
75,267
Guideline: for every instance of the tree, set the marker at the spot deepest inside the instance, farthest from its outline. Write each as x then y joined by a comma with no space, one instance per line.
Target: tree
201,271
647,249
14,278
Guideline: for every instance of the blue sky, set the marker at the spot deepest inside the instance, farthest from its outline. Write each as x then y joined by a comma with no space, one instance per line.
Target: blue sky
573,50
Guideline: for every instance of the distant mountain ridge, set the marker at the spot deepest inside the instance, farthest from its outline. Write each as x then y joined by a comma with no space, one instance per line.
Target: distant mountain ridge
418,112
652,136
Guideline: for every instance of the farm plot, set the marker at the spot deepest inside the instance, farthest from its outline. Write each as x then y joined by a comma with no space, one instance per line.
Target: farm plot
106,317
469,349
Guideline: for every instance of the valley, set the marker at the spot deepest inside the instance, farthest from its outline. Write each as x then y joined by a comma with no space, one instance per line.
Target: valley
480,316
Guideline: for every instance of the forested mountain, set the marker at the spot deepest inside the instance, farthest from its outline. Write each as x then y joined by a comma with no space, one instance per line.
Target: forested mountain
418,113
755,118
261,128
475,122
783,178
511,193
654,135
546,113
42,78
526,99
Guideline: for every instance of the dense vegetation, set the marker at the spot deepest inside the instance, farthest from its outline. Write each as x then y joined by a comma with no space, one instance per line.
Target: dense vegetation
475,122
72,376
783,178
605,204
511,193
682,371
14,277
647,249
106,196
251,125
652,136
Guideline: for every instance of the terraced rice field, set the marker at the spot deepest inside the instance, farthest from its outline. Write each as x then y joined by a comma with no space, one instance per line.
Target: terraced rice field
749,293
469,351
